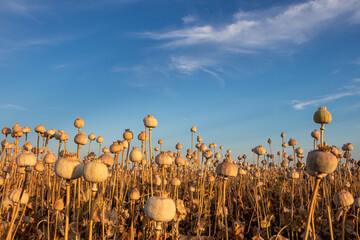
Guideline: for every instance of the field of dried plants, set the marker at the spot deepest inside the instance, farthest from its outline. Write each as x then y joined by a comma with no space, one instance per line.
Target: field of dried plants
134,189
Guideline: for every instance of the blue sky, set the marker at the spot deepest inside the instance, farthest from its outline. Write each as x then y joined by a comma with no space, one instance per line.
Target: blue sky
241,71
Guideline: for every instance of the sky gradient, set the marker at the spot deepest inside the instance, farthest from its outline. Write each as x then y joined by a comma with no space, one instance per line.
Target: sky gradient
241,71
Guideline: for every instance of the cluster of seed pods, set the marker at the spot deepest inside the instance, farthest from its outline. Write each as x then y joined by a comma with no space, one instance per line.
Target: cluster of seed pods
133,189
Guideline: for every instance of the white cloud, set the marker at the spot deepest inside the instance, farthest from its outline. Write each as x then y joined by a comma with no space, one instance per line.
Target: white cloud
294,24
12,106
188,19
298,105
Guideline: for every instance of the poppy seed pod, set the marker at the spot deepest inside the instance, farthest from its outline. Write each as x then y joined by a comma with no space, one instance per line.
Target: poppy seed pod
156,149
14,196
50,158
199,139
81,138
163,158
100,139
26,159
292,142
293,174
284,164
157,180
59,205
92,137
105,150
322,116
260,150
160,209
321,162
116,147
134,194
135,155
175,182
193,129
6,131
343,198
290,158
79,122
180,161
227,169
150,121
58,134
40,129
282,135
69,167
64,137
269,140
178,146
315,134
95,171
244,156
208,154
160,141
299,150
39,166
128,135
107,159
16,128
348,147
26,129
143,136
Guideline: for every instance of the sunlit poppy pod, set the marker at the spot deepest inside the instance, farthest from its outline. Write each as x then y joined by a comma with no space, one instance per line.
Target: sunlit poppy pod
92,136
227,169
178,146
315,134
100,139
116,147
26,159
150,121
293,174
156,149
14,196
269,140
128,135
175,182
95,171
69,167
107,159
282,135
40,129
135,155
208,154
160,141
143,136
50,158
58,134
290,158
284,164
321,162
64,137
203,147
39,166
348,147
322,116
134,194
81,138
299,150
16,128
292,142
6,131
160,209
199,139
79,122
180,161
244,156
157,180
163,158
260,150
193,129
59,205
343,198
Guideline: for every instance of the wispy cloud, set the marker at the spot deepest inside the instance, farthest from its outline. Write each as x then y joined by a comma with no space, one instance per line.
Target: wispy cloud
188,19
299,105
12,106
189,65
357,61
294,24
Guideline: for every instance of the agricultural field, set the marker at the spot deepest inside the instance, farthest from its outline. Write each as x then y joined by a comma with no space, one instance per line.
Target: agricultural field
135,189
